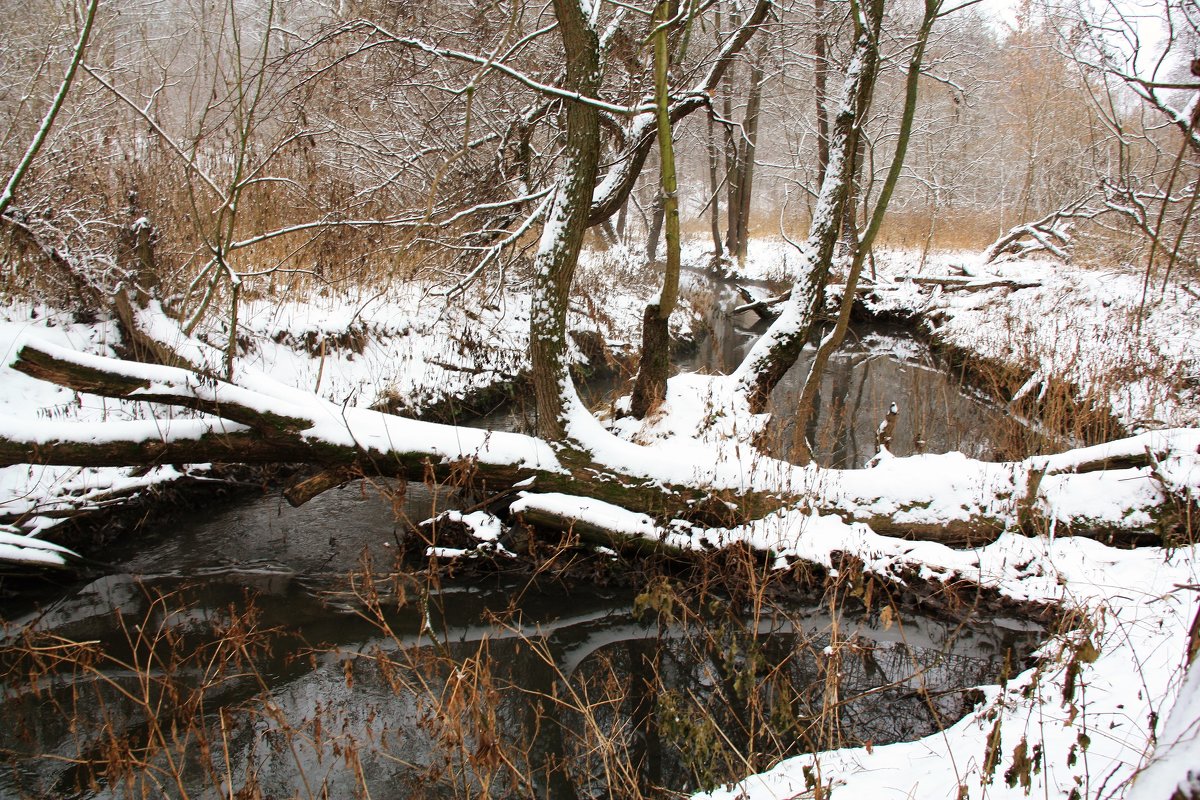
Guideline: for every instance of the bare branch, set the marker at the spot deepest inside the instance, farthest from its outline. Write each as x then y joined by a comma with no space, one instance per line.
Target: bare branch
56,104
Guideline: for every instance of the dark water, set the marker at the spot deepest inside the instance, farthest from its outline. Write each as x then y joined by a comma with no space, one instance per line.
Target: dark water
878,364
252,649
264,651
261,679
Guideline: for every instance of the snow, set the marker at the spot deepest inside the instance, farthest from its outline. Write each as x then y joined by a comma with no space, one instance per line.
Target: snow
1114,673
162,328
1175,764
1137,621
402,346
595,512
23,548
1079,327
1135,606
1130,613
767,259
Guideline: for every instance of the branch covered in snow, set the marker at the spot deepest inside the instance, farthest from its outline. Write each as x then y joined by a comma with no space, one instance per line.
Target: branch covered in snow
1127,489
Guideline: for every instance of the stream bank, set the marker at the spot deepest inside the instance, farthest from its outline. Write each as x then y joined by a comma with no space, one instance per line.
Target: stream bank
1099,648
880,364
346,673
1063,411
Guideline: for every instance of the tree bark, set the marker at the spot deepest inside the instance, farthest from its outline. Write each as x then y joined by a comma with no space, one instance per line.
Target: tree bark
658,215
749,152
820,92
562,237
666,150
650,390
351,442
654,367
714,182
733,171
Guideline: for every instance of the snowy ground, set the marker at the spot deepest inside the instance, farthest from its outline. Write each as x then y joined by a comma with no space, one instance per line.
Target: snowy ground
1079,326
407,345
1083,722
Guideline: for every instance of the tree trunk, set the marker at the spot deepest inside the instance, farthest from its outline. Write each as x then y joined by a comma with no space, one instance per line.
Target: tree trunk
562,236
714,182
833,340
733,166
655,366
654,235
747,159
651,387
776,351
820,92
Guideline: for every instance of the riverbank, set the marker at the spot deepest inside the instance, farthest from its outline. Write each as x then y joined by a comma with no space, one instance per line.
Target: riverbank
406,348
1128,611
1065,349
1036,327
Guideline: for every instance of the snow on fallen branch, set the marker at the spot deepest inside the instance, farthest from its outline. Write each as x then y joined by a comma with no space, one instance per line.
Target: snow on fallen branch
1135,451
763,306
1051,234
23,549
160,384
956,283
1130,490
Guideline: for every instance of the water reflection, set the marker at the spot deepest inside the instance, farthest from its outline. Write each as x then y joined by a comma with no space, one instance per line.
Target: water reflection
254,684
878,364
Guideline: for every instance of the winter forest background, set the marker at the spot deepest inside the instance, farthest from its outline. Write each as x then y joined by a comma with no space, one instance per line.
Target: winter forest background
678,397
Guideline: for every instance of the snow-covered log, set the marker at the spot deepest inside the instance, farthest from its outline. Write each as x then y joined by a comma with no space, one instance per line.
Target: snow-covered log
1129,490
18,548
269,423
1051,234
763,306
953,283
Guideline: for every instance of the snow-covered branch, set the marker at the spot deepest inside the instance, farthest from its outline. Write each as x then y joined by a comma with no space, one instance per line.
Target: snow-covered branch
1137,484
39,138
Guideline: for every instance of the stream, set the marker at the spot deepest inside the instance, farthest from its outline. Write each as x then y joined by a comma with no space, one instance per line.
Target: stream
258,650
880,363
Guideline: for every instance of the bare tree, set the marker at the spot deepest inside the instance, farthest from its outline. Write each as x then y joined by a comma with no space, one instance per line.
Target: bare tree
650,389
1148,180
775,352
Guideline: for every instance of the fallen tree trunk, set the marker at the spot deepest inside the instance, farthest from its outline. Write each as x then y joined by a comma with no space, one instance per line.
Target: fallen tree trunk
763,306
267,424
950,498
953,283
1048,234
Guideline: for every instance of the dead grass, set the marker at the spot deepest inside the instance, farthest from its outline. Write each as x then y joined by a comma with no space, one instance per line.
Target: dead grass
957,229
721,677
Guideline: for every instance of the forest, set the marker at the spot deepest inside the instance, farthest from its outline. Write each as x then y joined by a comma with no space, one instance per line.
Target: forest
592,398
